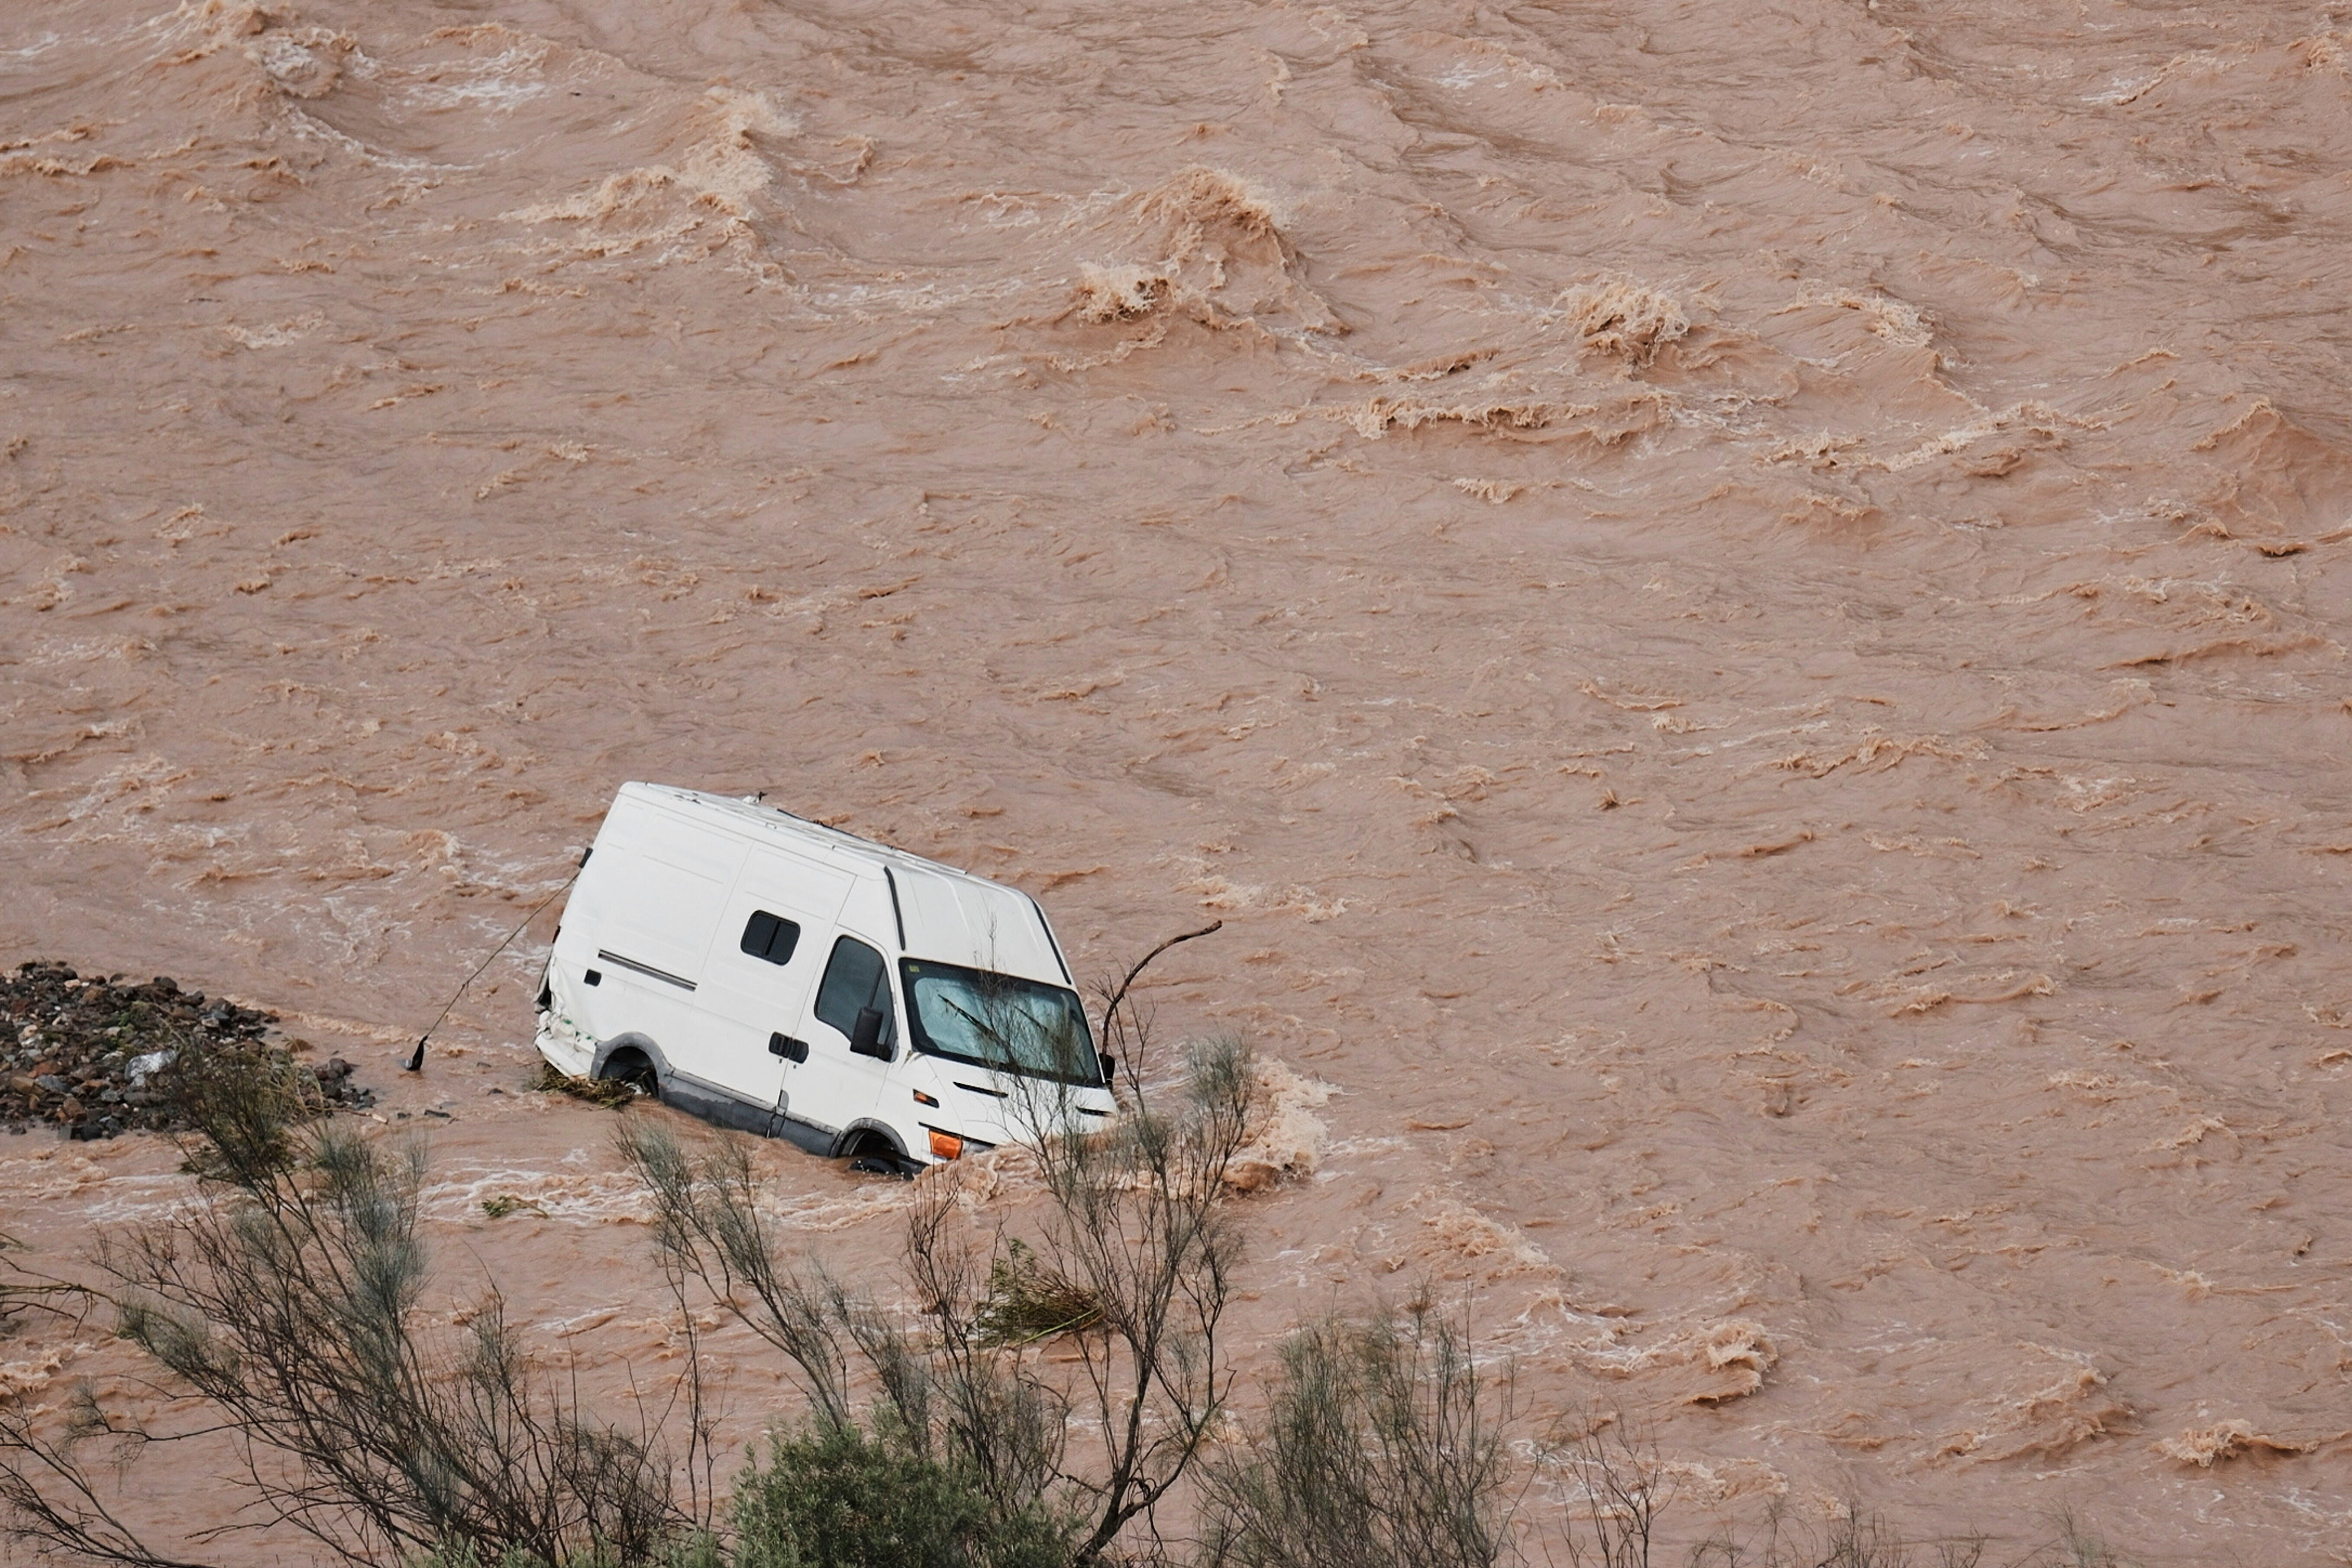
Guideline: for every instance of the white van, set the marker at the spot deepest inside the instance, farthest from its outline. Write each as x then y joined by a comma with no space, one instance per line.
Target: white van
768,973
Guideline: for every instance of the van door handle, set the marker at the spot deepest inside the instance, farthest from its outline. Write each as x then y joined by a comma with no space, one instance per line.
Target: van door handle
791,1049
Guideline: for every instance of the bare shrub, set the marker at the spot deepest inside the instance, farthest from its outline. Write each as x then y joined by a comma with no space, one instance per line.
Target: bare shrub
978,1415
2077,1547
1134,1229
45,1495
286,1302
52,1499
1122,1032
1855,1538
1383,1449
245,1103
1620,1489
1137,1221
22,1292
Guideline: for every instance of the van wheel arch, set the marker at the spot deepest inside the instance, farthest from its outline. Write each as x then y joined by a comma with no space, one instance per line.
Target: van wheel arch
632,1058
869,1137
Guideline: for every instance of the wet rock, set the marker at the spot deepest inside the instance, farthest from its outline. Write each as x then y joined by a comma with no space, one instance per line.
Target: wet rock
93,1055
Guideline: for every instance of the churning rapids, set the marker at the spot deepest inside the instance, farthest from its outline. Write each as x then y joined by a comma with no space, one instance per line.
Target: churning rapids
1741,609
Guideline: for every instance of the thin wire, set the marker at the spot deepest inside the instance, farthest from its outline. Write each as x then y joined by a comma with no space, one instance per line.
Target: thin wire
416,1061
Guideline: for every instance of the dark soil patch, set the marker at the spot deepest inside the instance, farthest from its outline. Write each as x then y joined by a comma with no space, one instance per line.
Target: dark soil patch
94,1057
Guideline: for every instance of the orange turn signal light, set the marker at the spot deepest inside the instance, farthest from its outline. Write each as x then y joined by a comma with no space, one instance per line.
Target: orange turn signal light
945,1146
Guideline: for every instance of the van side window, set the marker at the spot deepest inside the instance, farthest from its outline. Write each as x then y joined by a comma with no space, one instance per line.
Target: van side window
769,937
854,978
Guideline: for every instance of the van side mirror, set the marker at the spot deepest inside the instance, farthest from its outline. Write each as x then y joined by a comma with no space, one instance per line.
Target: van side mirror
865,1035
1110,1068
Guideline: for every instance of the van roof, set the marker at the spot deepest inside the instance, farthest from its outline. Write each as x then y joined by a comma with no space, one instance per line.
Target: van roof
944,913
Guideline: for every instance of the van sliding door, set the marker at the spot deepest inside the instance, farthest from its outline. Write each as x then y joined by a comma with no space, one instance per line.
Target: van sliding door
772,940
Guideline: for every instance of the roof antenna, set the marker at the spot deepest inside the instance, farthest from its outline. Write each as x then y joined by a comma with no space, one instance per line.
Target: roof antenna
417,1057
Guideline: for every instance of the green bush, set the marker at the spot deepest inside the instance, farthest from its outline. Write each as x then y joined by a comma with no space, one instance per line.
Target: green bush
838,1496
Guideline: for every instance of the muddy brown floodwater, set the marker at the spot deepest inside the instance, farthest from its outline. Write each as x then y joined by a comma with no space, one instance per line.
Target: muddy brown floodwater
1741,609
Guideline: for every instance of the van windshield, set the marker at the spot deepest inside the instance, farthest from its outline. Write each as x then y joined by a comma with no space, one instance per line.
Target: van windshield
1000,1021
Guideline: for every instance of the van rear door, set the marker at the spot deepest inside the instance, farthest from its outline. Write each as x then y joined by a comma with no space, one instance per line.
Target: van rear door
773,942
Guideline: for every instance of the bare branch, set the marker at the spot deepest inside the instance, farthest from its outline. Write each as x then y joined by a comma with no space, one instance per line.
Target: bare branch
1108,1028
